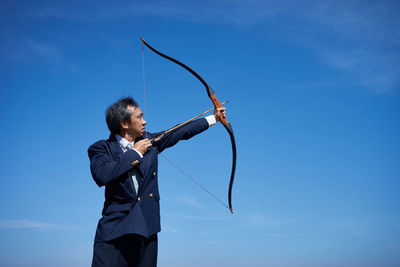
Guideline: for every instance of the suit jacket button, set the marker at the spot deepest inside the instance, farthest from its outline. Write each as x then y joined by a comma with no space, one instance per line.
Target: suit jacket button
150,195
138,199
154,173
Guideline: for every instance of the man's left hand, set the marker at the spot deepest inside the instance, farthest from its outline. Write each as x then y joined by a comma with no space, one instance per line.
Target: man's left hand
219,112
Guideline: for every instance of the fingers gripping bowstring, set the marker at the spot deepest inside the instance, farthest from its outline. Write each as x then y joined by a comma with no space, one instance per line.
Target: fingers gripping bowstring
164,157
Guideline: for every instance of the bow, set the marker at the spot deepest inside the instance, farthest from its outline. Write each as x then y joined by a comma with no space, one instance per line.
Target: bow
217,104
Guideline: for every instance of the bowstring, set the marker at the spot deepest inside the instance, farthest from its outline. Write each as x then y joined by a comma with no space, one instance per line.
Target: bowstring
164,157
193,180
144,85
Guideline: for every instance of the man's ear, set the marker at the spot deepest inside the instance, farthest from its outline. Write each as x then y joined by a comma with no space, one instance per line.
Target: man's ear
124,124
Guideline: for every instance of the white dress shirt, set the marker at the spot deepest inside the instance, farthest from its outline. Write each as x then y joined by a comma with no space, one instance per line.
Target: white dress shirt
133,173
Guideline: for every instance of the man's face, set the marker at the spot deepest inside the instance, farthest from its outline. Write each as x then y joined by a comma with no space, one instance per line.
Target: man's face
136,127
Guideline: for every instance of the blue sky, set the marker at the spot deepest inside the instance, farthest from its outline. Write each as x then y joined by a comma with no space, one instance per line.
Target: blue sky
314,102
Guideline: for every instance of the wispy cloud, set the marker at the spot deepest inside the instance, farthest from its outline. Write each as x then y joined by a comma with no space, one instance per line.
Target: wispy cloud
359,40
44,50
357,37
29,49
189,201
170,229
220,11
196,218
28,224
260,220
368,68
281,235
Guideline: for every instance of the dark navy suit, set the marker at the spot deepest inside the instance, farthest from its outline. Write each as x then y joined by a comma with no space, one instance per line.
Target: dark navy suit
126,213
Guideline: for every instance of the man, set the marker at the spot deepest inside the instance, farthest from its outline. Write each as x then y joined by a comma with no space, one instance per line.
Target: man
126,164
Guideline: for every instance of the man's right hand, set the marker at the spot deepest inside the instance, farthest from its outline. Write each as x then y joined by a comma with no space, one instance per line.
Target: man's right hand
142,146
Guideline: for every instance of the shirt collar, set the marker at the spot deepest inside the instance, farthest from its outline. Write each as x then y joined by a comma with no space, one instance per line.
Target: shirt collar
122,141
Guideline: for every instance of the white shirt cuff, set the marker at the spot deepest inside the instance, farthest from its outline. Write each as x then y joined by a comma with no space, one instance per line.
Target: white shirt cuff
140,154
211,120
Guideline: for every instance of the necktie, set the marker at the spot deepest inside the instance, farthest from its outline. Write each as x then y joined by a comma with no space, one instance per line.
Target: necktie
134,174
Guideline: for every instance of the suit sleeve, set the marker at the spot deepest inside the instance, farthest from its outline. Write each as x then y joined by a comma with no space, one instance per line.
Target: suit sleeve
183,133
105,168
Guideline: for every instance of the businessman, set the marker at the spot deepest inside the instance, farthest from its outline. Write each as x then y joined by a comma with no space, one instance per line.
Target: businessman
127,165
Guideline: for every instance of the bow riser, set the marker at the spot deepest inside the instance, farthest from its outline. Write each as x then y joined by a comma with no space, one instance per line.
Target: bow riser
218,104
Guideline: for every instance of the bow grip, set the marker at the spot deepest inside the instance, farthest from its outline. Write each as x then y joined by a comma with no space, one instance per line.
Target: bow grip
218,104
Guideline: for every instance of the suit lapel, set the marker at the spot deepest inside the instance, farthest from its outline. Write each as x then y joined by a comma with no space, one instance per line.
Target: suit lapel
114,146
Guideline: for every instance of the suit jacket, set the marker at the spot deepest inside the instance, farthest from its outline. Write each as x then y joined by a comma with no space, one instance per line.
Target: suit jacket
126,212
